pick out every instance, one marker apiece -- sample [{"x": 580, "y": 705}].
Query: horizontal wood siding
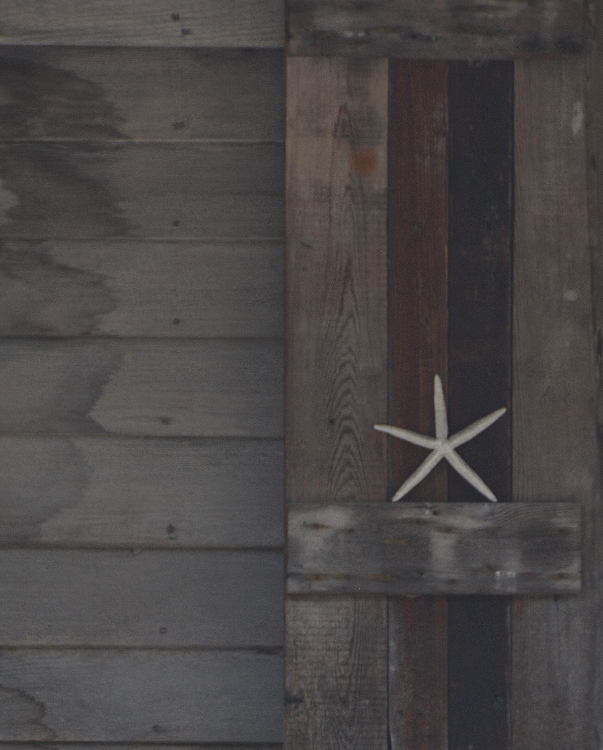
[
  {"x": 139, "y": 695},
  {"x": 141, "y": 470},
  {"x": 147, "y": 23},
  {"x": 211, "y": 388},
  {"x": 153, "y": 190},
  {"x": 435, "y": 28},
  {"x": 134, "y": 288},
  {"x": 161, "y": 598},
  {"x": 139, "y": 493},
  {"x": 169, "y": 94}
]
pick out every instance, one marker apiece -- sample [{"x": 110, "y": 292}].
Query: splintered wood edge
[{"x": 434, "y": 548}]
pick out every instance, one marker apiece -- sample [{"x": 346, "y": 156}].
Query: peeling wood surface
[
  {"x": 168, "y": 94},
  {"x": 139, "y": 493},
  {"x": 211, "y": 388},
  {"x": 97, "y": 695},
  {"x": 417, "y": 322},
  {"x": 128, "y": 288},
  {"x": 152, "y": 598},
  {"x": 153, "y": 190},
  {"x": 436, "y": 28},
  {"x": 440, "y": 548},
  {"x": 554, "y": 438},
  {"x": 148, "y": 23},
  {"x": 336, "y": 385}
]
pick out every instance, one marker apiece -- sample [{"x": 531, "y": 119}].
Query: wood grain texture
[
  {"x": 210, "y": 388},
  {"x": 418, "y": 312},
  {"x": 152, "y": 190},
  {"x": 594, "y": 143},
  {"x": 141, "y": 695},
  {"x": 123, "y": 93},
  {"x": 133, "y": 746},
  {"x": 140, "y": 493},
  {"x": 153, "y": 598},
  {"x": 479, "y": 373},
  {"x": 554, "y": 432},
  {"x": 410, "y": 549},
  {"x": 435, "y": 28},
  {"x": 336, "y": 385},
  {"x": 192, "y": 23},
  {"x": 128, "y": 288}
]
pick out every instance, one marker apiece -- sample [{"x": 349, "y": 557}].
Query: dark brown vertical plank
[
  {"x": 479, "y": 373},
  {"x": 418, "y": 304},
  {"x": 336, "y": 385},
  {"x": 554, "y": 439}
]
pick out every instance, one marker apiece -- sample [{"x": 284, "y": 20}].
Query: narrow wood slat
[
  {"x": 336, "y": 381},
  {"x": 123, "y": 93},
  {"x": 128, "y": 288},
  {"x": 418, "y": 309},
  {"x": 479, "y": 373},
  {"x": 435, "y": 28},
  {"x": 440, "y": 548},
  {"x": 554, "y": 437},
  {"x": 155, "y": 598},
  {"x": 104, "y": 746},
  {"x": 140, "y": 493},
  {"x": 211, "y": 388},
  {"x": 140, "y": 696},
  {"x": 594, "y": 142},
  {"x": 148, "y": 23},
  {"x": 153, "y": 190}
]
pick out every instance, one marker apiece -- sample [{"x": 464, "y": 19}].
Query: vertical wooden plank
[
  {"x": 336, "y": 385},
  {"x": 594, "y": 141},
  {"x": 418, "y": 306},
  {"x": 554, "y": 442},
  {"x": 479, "y": 374}
]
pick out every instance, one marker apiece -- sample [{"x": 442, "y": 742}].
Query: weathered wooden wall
[{"x": 141, "y": 366}]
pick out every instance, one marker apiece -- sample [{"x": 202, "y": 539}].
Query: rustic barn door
[{"x": 443, "y": 218}]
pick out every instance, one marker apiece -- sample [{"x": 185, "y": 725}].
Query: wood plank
[
  {"x": 435, "y": 28},
  {"x": 479, "y": 373},
  {"x": 140, "y": 493},
  {"x": 197, "y": 23},
  {"x": 123, "y": 93},
  {"x": 128, "y": 288},
  {"x": 418, "y": 316},
  {"x": 554, "y": 432},
  {"x": 101, "y": 746},
  {"x": 206, "y": 387},
  {"x": 424, "y": 549},
  {"x": 152, "y": 598},
  {"x": 151, "y": 190},
  {"x": 140, "y": 695},
  {"x": 594, "y": 142},
  {"x": 336, "y": 386}
]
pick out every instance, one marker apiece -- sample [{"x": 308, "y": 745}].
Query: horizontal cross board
[{"x": 434, "y": 548}]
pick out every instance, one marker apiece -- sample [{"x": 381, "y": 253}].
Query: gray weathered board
[
  {"x": 154, "y": 190},
  {"x": 134, "y": 288},
  {"x": 437, "y": 548},
  {"x": 168, "y": 94},
  {"x": 151, "y": 598},
  {"x": 435, "y": 28},
  {"x": 189, "y": 23},
  {"x": 140, "y": 695},
  {"x": 205, "y": 387},
  {"x": 134, "y": 746},
  {"x": 139, "y": 493}
]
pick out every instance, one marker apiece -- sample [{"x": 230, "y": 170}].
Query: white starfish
[{"x": 442, "y": 446}]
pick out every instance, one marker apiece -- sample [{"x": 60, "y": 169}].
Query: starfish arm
[
  {"x": 474, "y": 429},
  {"x": 439, "y": 405},
  {"x": 467, "y": 473},
  {"x": 432, "y": 460},
  {"x": 411, "y": 437}
]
